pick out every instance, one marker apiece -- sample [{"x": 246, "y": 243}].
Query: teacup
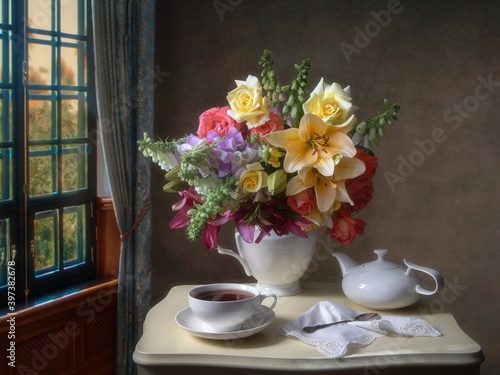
[{"x": 225, "y": 307}]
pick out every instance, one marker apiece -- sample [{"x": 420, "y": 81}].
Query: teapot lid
[{"x": 381, "y": 263}]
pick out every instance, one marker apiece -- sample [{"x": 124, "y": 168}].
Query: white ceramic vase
[{"x": 276, "y": 262}]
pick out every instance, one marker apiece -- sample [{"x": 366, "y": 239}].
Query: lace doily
[{"x": 339, "y": 341}]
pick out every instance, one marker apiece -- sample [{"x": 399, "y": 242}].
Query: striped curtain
[{"x": 124, "y": 63}]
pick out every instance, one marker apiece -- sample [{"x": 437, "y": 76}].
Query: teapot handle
[
  {"x": 224, "y": 251},
  {"x": 438, "y": 279}
]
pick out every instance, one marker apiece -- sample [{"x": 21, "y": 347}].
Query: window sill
[{"x": 61, "y": 299}]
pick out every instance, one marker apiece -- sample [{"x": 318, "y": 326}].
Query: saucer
[{"x": 260, "y": 320}]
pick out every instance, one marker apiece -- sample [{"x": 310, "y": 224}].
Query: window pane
[
  {"x": 5, "y": 56},
  {"x": 74, "y": 114},
  {"x": 42, "y": 170},
  {"x": 82, "y": 63},
  {"x": 40, "y": 64},
  {"x": 73, "y": 235},
  {"x": 74, "y": 167},
  {"x": 70, "y": 22},
  {"x": 45, "y": 243},
  {"x": 69, "y": 64},
  {"x": 6, "y": 115},
  {"x": 40, "y": 14},
  {"x": 73, "y": 62},
  {"x": 41, "y": 119},
  {"x": 4, "y": 250},
  {"x": 6, "y": 174},
  {"x": 5, "y": 17}
]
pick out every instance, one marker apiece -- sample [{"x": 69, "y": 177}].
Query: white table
[{"x": 165, "y": 348}]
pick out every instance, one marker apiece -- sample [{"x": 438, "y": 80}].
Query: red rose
[
  {"x": 216, "y": 119},
  {"x": 345, "y": 228},
  {"x": 274, "y": 123},
  {"x": 360, "y": 189},
  {"x": 370, "y": 161}
]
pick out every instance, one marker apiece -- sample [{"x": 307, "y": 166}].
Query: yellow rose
[
  {"x": 330, "y": 103},
  {"x": 253, "y": 179},
  {"x": 247, "y": 103}
]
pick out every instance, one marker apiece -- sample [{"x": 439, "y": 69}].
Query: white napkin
[{"x": 337, "y": 341}]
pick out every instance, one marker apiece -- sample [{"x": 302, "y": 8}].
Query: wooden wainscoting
[
  {"x": 75, "y": 333},
  {"x": 108, "y": 238}
]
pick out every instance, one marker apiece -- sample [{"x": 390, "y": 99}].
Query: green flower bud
[
  {"x": 276, "y": 182},
  {"x": 361, "y": 127},
  {"x": 175, "y": 186},
  {"x": 254, "y": 138},
  {"x": 266, "y": 154},
  {"x": 372, "y": 135},
  {"x": 173, "y": 174}
]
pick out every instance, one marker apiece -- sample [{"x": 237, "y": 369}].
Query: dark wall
[{"x": 436, "y": 190}]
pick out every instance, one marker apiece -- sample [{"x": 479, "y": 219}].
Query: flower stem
[{"x": 374, "y": 127}]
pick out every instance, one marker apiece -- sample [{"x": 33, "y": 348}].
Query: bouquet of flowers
[{"x": 275, "y": 158}]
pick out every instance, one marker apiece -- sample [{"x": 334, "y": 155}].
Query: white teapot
[{"x": 384, "y": 285}]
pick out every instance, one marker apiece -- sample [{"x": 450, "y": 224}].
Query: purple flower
[
  {"x": 191, "y": 141},
  {"x": 230, "y": 153}
]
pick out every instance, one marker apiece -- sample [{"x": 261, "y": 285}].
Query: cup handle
[
  {"x": 438, "y": 279},
  {"x": 263, "y": 296}
]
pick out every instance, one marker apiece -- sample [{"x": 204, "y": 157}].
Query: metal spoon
[{"x": 360, "y": 318}]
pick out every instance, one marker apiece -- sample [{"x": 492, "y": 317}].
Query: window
[{"x": 47, "y": 146}]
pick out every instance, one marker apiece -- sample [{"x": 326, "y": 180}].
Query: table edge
[{"x": 245, "y": 362}]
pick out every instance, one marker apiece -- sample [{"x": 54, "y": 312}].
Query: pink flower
[
  {"x": 216, "y": 119},
  {"x": 189, "y": 197},
  {"x": 274, "y": 123},
  {"x": 345, "y": 227},
  {"x": 210, "y": 233}
]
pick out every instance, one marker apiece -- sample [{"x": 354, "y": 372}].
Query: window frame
[{"x": 22, "y": 208}]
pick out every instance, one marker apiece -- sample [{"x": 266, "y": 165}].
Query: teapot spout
[{"x": 345, "y": 262}]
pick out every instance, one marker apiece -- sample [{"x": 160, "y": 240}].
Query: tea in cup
[{"x": 225, "y": 307}]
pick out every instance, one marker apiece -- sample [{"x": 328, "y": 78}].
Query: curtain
[{"x": 124, "y": 61}]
